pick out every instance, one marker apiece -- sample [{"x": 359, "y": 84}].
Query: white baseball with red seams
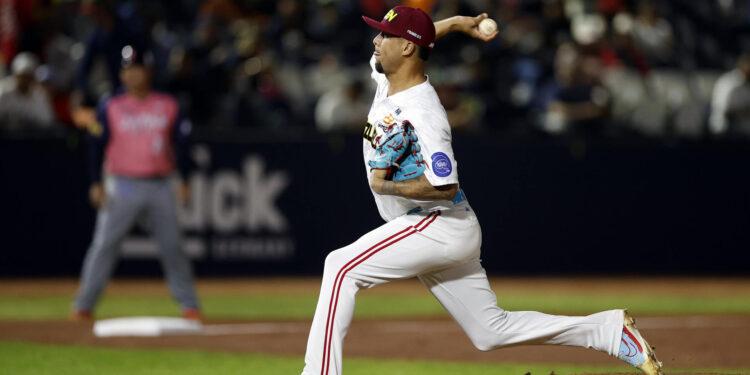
[
  {"x": 487, "y": 26},
  {"x": 440, "y": 245}
]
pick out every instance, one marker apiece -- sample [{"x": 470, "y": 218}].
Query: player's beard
[{"x": 379, "y": 67}]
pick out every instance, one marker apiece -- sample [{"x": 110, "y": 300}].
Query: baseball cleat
[
  {"x": 636, "y": 351},
  {"x": 192, "y": 314},
  {"x": 81, "y": 316}
]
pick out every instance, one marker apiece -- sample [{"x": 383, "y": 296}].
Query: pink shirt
[{"x": 140, "y": 135}]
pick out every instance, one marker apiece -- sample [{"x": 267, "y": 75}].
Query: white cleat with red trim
[{"x": 636, "y": 351}]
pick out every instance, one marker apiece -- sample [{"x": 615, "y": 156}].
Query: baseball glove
[{"x": 398, "y": 152}]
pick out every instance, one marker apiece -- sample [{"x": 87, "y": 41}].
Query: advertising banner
[{"x": 278, "y": 205}]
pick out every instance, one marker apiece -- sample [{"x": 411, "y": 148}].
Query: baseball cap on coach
[
  {"x": 130, "y": 56},
  {"x": 412, "y": 24}
]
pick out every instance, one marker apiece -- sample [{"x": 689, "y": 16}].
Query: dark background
[
  {"x": 646, "y": 184},
  {"x": 546, "y": 205}
]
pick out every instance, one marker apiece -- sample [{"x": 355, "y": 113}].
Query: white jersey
[{"x": 421, "y": 106}]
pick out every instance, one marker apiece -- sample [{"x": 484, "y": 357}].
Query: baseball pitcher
[{"x": 431, "y": 231}]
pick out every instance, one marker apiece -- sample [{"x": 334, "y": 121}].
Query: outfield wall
[{"x": 277, "y": 203}]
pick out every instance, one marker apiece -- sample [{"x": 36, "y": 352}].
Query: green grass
[
  {"x": 42, "y": 359},
  {"x": 38, "y": 359},
  {"x": 286, "y": 306}
]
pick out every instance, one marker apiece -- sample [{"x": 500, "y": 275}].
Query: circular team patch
[{"x": 441, "y": 164}]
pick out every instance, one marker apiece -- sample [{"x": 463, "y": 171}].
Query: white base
[{"x": 146, "y": 326}]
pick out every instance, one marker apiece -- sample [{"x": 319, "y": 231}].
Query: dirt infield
[
  {"x": 681, "y": 342},
  {"x": 710, "y": 341}
]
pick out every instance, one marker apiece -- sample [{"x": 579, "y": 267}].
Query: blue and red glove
[{"x": 398, "y": 153}]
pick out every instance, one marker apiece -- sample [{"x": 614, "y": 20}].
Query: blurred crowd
[{"x": 597, "y": 67}]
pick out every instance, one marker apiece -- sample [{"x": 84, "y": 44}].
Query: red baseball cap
[{"x": 412, "y": 24}]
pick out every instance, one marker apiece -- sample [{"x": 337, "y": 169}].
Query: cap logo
[
  {"x": 390, "y": 16},
  {"x": 414, "y": 34}
]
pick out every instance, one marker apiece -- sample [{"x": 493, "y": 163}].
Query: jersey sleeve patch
[{"x": 441, "y": 164}]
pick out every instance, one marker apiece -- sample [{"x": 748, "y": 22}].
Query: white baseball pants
[{"x": 442, "y": 250}]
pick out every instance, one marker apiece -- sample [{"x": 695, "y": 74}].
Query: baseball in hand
[{"x": 487, "y": 26}]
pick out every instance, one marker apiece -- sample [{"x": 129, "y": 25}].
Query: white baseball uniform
[{"x": 438, "y": 242}]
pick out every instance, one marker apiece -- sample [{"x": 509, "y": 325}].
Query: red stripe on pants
[{"x": 332, "y": 305}]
